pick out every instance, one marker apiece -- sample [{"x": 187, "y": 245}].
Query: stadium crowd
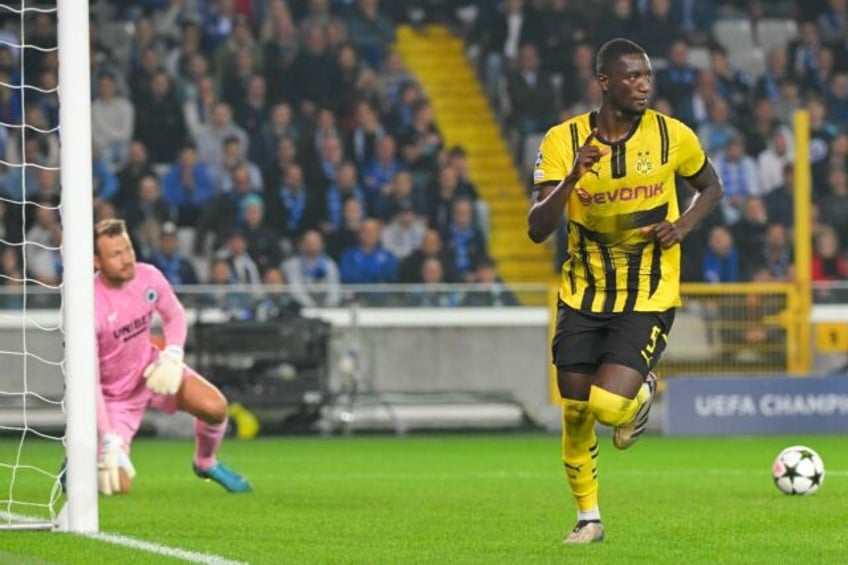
[{"x": 284, "y": 141}]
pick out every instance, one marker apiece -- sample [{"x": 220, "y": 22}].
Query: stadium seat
[
  {"x": 752, "y": 61},
  {"x": 775, "y": 32},
  {"x": 699, "y": 57},
  {"x": 735, "y": 35}
]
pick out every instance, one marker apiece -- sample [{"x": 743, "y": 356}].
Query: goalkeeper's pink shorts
[{"x": 126, "y": 414}]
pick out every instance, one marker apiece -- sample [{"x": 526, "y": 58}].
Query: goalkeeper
[{"x": 135, "y": 375}]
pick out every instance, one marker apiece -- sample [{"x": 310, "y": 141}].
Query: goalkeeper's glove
[
  {"x": 113, "y": 458},
  {"x": 165, "y": 375}
]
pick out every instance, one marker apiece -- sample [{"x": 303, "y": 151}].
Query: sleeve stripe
[{"x": 664, "y": 142}]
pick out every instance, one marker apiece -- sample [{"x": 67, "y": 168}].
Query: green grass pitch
[{"x": 453, "y": 499}]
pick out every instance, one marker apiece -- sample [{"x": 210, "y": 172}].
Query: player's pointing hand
[{"x": 587, "y": 157}]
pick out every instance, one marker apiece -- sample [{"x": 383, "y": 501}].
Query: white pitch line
[
  {"x": 158, "y": 548},
  {"x": 150, "y": 547}
]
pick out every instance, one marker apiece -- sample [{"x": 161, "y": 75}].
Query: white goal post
[{"x": 81, "y": 447}]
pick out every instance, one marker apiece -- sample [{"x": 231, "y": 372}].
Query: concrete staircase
[{"x": 437, "y": 60}]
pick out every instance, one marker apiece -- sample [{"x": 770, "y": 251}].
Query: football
[{"x": 798, "y": 470}]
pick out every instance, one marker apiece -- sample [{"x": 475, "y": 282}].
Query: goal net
[{"x": 46, "y": 399}]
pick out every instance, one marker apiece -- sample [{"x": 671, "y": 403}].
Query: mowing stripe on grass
[{"x": 150, "y": 547}]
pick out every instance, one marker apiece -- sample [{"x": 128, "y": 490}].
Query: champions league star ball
[{"x": 798, "y": 470}]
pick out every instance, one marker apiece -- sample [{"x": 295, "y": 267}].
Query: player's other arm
[
  {"x": 709, "y": 192},
  {"x": 549, "y": 199}
]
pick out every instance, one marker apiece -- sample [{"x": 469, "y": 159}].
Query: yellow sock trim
[
  {"x": 613, "y": 409},
  {"x": 580, "y": 453}
]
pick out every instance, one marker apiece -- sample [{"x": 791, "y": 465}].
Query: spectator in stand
[
  {"x": 199, "y": 108},
  {"x": 431, "y": 246},
  {"x": 311, "y": 266},
  {"x": 222, "y": 216},
  {"x": 379, "y": 173},
  {"x": 777, "y": 253},
  {"x": 676, "y": 82},
  {"x": 251, "y": 112},
  {"x": 368, "y": 262},
  {"x": 749, "y": 234},
  {"x": 837, "y": 100},
  {"x": 777, "y": 71},
  {"x": 347, "y": 236},
  {"x": 367, "y": 134},
  {"x": 211, "y": 137},
  {"x": 500, "y": 38},
  {"x": 738, "y": 174},
  {"x": 263, "y": 241},
  {"x": 829, "y": 264},
  {"x": 218, "y": 24},
  {"x": 495, "y": 292},
  {"x": 112, "y": 121},
  {"x": 280, "y": 126},
  {"x": 443, "y": 196},
  {"x": 296, "y": 207},
  {"x": 464, "y": 241},
  {"x": 136, "y": 168},
  {"x": 832, "y": 22},
  {"x": 721, "y": 260},
  {"x": 822, "y": 134},
  {"x": 234, "y": 158},
  {"x": 789, "y": 99},
  {"x": 656, "y": 29},
  {"x": 717, "y": 131},
  {"x": 104, "y": 181},
  {"x": 187, "y": 187},
  {"x": 834, "y": 206},
  {"x": 391, "y": 80},
  {"x": 761, "y": 126},
  {"x": 176, "y": 268},
  {"x": 316, "y": 74},
  {"x": 804, "y": 50},
  {"x": 839, "y": 152},
  {"x": 531, "y": 94},
  {"x": 43, "y": 257},
  {"x": 817, "y": 81},
  {"x": 431, "y": 293},
  {"x": 774, "y": 158},
  {"x": 421, "y": 142},
  {"x": 145, "y": 219},
  {"x": 345, "y": 186},
  {"x": 401, "y": 193},
  {"x": 159, "y": 120},
  {"x": 243, "y": 269},
  {"x": 371, "y": 33},
  {"x": 562, "y": 27},
  {"x": 620, "y": 22},
  {"x": 733, "y": 85},
  {"x": 404, "y": 233},
  {"x": 780, "y": 202}
]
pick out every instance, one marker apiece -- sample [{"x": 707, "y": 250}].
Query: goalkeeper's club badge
[
  {"x": 643, "y": 163},
  {"x": 151, "y": 295}
]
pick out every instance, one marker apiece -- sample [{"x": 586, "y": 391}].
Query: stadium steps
[{"x": 465, "y": 118}]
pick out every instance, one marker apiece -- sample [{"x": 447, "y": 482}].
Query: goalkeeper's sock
[
  {"x": 580, "y": 453},
  {"x": 207, "y": 440}
]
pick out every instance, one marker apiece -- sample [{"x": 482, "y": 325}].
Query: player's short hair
[
  {"x": 612, "y": 50},
  {"x": 110, "y": 227}
]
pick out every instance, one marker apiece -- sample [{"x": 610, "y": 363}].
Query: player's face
[
  {"x": 628, "y": 86},
  {"x": 115, "y": 259}
]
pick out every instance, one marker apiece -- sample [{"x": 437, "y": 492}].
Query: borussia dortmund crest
[{"x": 643, "y": 162}]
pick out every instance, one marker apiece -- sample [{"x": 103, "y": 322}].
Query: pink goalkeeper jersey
[{"x": 123, "y": 318}]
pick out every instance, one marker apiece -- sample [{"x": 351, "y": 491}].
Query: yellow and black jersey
[{"x": 612, "y": 266}]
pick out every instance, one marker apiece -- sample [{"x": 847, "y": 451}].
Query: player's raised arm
[{"x": 548, "y": 201}]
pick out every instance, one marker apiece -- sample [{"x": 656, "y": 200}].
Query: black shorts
[{"x": 583, "y": 341}]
